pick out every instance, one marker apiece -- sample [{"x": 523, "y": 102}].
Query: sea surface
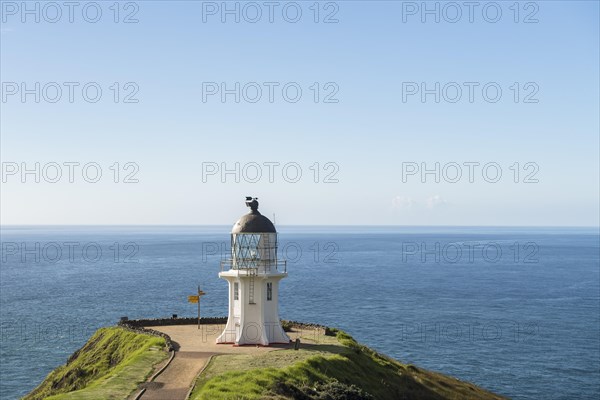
[{"x": 514, "y": 310}]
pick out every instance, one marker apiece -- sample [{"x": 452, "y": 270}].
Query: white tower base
[{"x": 253, "y": 311}]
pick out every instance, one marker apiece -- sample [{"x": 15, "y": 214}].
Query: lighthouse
[{"x": 253, "y": 273}]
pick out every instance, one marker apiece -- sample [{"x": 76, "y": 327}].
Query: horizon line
[{"x": 305, "y": 225}]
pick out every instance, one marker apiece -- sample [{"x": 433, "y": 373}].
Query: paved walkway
[{"x": 193, "y": 349}]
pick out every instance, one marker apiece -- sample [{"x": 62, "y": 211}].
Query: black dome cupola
[{"x": 254, "y": 221}]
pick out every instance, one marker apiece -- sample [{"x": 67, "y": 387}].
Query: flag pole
[{"x": 198, "y": 306}]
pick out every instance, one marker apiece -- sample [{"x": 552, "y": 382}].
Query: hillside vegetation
[
  {"x": 339, "y": 370},
  {"x": 115, "y": 361},
  {"x": 109, "y": 366}
]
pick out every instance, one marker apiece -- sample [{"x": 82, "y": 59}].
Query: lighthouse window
[
  {"x": 236, "y": 291},
  {"x": 269, "y": 291},
  {"x": 247, "y": 250}
]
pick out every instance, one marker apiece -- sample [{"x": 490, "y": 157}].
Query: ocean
[{"x": 514, "y": 310}]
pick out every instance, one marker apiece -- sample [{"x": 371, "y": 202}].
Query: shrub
[{"x": 331, "y": 390}]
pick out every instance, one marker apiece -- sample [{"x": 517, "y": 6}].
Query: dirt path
[{"x": 194, "y": 347}]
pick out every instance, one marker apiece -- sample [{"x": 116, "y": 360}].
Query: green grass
[
  {"x": 348, "y": 362},
  {"x": 115, "y": 360},
  {"x": 109, "y": 366}
]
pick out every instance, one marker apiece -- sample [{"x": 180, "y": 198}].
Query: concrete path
[{"x": 193, "y": 348}]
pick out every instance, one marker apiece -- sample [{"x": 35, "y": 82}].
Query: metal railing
[{"x": 265, "y": 266}]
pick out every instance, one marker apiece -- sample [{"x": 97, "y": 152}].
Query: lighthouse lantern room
[{"x": 253, "y": 273}]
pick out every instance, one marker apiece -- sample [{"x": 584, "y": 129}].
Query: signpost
[{"x": 196, "y": 299}]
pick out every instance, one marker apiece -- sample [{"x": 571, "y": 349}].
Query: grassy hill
[
  {"x": 110, "y": 366},
  {"x": 340, "y": 369},
  {"x": 115, "y": 361}
]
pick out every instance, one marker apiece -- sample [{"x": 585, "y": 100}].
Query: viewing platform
[{"x": 261, "y": 266}]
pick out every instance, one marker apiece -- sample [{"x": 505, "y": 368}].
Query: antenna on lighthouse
[{"x": 274, "y": 219}]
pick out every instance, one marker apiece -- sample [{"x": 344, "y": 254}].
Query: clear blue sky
[{"x": 369, "y": 133}]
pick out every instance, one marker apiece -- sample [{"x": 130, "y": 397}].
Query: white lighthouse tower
[{"x": 253, "y": 274}]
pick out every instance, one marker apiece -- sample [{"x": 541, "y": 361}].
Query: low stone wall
[
  {"x": 145, "y": 331},
  {"x": 140, "y": 325},
  {"x": 174, "y": 321},
  {"x": 321, "y": 329}
]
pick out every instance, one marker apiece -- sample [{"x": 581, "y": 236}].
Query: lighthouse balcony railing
[{"x": 266, "y": 266}]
